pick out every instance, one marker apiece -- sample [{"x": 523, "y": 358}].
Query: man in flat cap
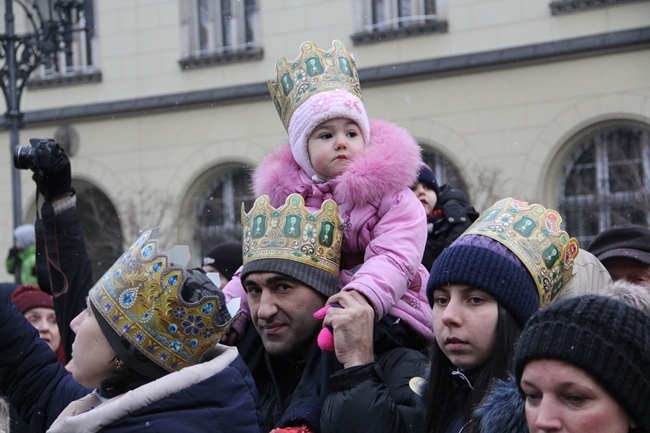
[{"x": 625, "y": 251}]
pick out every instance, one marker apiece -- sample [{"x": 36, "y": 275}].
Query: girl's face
[
  {"x": 93, "y": 356},
  {"x": 563, "y": 398},
  {"x": 332, "y": 146},
  {"x": 464, "y": 324},
  {"x": 44, "y": 319}
]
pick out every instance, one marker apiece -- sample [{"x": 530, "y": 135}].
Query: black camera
[{"x": 42, "y": 154}]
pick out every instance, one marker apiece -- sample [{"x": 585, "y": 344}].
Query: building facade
[{"x": 164, "y": 107}]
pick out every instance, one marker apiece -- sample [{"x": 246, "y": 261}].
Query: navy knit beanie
[
  {"x": 484, "y": 263},
  {"x": 604, "y": 337},
  {"x": 426, "y": 176}
]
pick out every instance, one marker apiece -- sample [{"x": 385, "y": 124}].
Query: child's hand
[{"x": 326, "y": 336}]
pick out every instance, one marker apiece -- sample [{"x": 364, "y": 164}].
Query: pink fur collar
[{"x": 388, "y": 164}]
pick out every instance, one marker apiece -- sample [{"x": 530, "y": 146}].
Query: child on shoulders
[{"x": 367, "y": 167}]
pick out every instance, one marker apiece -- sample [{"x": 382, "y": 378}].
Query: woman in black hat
[{"x": 584, "y": 366}]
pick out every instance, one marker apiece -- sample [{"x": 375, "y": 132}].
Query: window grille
[
  {"x": 76, "y": 57},
  {"x": 223, "y": 26},
  {"x": 219, "y": 212},
  {"x": 607, "y": 181},
  {"x": 394, "y": 14}
]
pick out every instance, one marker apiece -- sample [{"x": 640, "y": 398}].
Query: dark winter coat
[
  {"x": 63, "y": 266},
  {"x": 215, "y": 396},
  {"x": 462, "y": 381},
  {"x": 382, "y": 396},
  {"x": 451, "y": 217}
]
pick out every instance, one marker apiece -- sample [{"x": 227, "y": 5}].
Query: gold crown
[
  {"x": 291, "y": 232},
  {"x": 313, "y": 71},
  {"x": 140, "y": 298},
  {"x": 533, "y": 233}
]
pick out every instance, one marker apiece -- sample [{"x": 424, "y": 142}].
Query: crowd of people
[{"x": 362, "y": 296}]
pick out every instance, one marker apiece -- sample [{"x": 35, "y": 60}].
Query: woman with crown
[
  {"x": 367, "y": 167},
  {"x": 482, "y": 289},
  {"x": 145, "y": 358}
]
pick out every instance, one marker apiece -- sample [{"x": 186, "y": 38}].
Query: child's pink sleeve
[{"x": 234, "y": 289}]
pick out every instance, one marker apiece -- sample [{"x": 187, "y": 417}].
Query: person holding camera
[
  {"x": 63, "y": 266},
  {"x": 146, "y": 355}
]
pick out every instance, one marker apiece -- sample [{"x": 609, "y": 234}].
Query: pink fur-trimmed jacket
[{"x": 385, "y": 227}]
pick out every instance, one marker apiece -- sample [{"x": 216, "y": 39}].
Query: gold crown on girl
[
  {"x": 313, "y": 71},
  {"x": 291, "y": 232},
  {"x": 533, "y": 233},
  {"x": 140, "y": 297}
]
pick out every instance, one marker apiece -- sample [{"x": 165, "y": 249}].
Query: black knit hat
[
  {"x": 484, "y": 263},
  {"x": 426, "y": 176},
  {"x": 628, "y": 241},
  {"x": 606, "y": 338},
  {"x": 226, "y": 258}
]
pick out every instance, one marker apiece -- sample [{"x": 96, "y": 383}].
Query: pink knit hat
[{"x": 317, "y": 109}]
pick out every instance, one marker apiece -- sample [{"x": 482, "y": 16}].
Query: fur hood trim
[
  {"x": 502, "y": 409},
  {"x": 388, "y": 164}
]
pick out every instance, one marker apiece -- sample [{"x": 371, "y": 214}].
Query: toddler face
[
  {"x": 426, "y": 195},
  {"x": 333, "y": 144}
]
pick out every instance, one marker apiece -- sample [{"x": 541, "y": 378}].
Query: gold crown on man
[
  {"x": 294, "y": 241},
  {"x": 533, "y": 233},
  {"x": 140, "y": 298},
  {"x": 313, "y": 71}
]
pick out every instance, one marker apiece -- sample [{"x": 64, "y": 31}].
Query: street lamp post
[{"x": 51, "y": 21}]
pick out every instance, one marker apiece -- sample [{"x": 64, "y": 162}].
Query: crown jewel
[
  {"x": 533, "y": 233},
  {"x": 141, "y": 298},
  {"x": 313, "y": 71},
  {"x": 291, "y": 232}
]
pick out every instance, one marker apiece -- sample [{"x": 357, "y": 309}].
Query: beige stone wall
[{"x": 517, "y": 120}]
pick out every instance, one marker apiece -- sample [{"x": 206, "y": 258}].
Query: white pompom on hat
[{"x": 319, "y": 108}]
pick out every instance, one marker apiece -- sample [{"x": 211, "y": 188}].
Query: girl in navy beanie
[{"x": 483, "y": 289}]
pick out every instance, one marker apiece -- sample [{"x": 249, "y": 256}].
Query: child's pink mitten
[{"x": 326, "y": 336}]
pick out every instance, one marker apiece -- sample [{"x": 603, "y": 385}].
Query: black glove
[
  {"x": 55, "y": 180},
  {"x": 13, "y": 253}
]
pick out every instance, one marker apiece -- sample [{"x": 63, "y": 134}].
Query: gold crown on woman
[
  {"x": 533, "y": 233},
  {"x": 141, "y": 298},
  {"x": 313, "y": 71},
  {"x": 291, "y": 232}
]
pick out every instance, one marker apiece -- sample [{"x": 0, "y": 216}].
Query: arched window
[
  {"x": 444, "y": 169},
  {"x": 607, "y": 181},
  {"x": 219, "y": 212},
  {"x": 101, "y": 226}
]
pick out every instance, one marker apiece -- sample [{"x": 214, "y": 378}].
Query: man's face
[
  {"x": 282, "y": 310},
  {"x": 629, "y": 270}
]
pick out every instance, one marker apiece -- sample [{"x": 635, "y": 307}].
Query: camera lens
[{"x": 23, "y": 157}]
